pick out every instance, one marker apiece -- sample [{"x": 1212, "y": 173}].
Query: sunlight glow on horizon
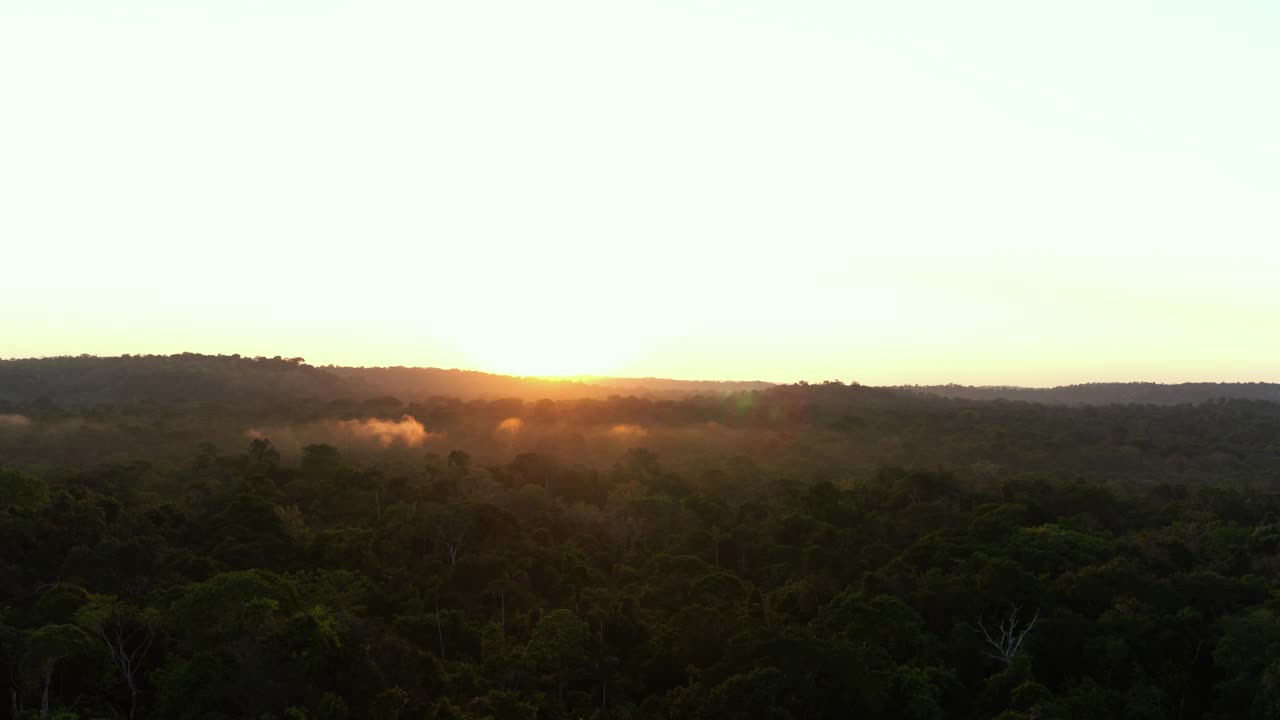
[{"x": 906, "y": 193}]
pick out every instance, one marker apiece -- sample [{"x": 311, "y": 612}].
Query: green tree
[
  {"x": 389, "y": 704},
  {"x": 128, "y": 633},
  {"x": 22, "y": 490},
  {"x": 48, "y": 646},
  {"x": 560, "y": 648}
]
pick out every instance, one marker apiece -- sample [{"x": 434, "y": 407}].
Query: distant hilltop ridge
[
  {"x": 192, "y": 377},
  {"x": 1140, "y": 393},
  {"x": 417, "y": 381}
]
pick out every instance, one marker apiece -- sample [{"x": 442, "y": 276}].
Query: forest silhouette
[{"x": 198, "y": 536}]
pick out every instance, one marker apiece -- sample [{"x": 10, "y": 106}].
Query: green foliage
[
  {"x": 331, "y": 707},
  {"x": 560, "y": 642},
  {"x": 52, "y": 643},
  {"x": 21, "y": 490},
  {"x": 809, "y": 551},
  {"x": 389, "y": 704},
  {"x": 60, "y": 603}
]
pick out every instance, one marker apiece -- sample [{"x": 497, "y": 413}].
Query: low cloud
[
  {"x": 628, "y": 430},
  {"x": 14, "y": 422},
  {"x": 406, "y": 431}
]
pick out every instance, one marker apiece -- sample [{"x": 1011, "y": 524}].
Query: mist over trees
[{"x": 222, "y": 537}]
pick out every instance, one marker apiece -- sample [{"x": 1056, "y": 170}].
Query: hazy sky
[{"x": 979, "y": 192}]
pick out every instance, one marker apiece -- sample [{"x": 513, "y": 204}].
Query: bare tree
[
  {"x": 128, "y": 634},
  {"x": 439, "y": 627},
  {"x": 1005, "y": 638},
  {"x": 452, "y": 526},
  {"x": 452, "y": 536},
  {"x": 718, "y": 536}
]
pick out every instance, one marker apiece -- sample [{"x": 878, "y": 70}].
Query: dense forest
[
  {"x": 87, "y": 379},
  {"x": 1110, "y": 393},
  {"x": 223, "y": 537},
  {"x": 192, "y": 377}
]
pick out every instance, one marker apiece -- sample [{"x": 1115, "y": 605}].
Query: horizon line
[{"x": 589, "y": 377}]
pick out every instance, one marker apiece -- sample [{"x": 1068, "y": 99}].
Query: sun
[{"x": 559, "y": 354}]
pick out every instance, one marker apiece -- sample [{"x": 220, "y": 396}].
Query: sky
[{"x": 1020, "y": 193}]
